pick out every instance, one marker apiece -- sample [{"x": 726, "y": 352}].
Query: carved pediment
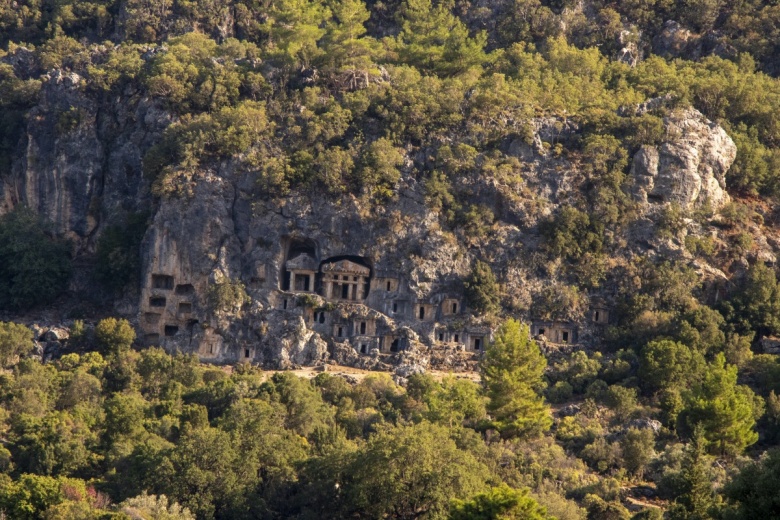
[{"x": 346, "y": 267}]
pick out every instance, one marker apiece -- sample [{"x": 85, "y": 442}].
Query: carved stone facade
[
  {"x": 558, "y": 332},
  {"x": 345, "y": 280},
  {"x": 339, "y": 306},
  {"x": 167, "y": 308},
  {"x": 303, "y": 271}
]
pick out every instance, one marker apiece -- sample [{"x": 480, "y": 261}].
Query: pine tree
[
  {"x": 482, "y": 289},
  {"x": 500, "y": 502},
  {"x": 512, "y": 371},
  {"x": 293, "y": 28},
  {"x": 696, "y": 499},
  {"x": 756, "y": 305},
  {"x": 348, "y": 51},
  {"x": 434, "y": 40},
  {"x": 726, "y": 411}
]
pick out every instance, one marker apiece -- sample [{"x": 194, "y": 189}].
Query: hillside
[{"x": 386, "y": 186}]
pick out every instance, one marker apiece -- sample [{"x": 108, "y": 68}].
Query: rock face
[
  {"x": 324, "y": 282},
  {"x": 674, "y": 40},
  {"x": 344, "y": 280},
  {"x": 289, "y": 342},
  {"x": 690, "y": 168},
  {"x": 79, "y": 164}
]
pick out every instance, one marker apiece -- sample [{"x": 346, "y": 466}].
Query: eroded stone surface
[{"x": 689, "y": 168}]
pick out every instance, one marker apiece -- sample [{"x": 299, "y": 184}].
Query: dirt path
[{"x": 357, "y": 373}]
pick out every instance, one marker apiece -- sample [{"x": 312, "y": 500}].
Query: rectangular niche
[
  {"x": 450, "y": 307},
  {"x": 152, "y": 339},
  {"x": 157, "y": 301},
  {"x": 171, "y": 330},
  {"x": 162, "y": 281},
  {"x": 185, "y": 308},
  {"x": 152, "y": 318},
  {"x": 185, "y": 289}
]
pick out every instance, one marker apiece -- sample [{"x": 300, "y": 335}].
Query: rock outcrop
[
  {"x": 689, "y": 168},
  {"x": 674, "y": 41}
]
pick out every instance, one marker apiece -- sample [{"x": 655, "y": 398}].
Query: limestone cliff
[{"x": 402, "y": 299}]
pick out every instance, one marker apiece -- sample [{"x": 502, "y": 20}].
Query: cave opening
[{"x": 294, "y": 248}]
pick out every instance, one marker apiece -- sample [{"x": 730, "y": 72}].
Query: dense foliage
[
  {"x": 127, "y": 433},
  {"x": 361, "y": 100},
  {"x": 328, "y": 96},
  {"x": 34, "y": 265},
  {"x": 106, "y": 435}
]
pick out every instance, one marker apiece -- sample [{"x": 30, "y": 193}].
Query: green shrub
[
  {"x": 560, "y": 392},
  {"x": 114, "y": 335},
  {"x": 15, "y": 340},
  {"x": 227, "y": 296},
  {"x": 482, "y": 291},
  {"x": 35, "y": 267}
]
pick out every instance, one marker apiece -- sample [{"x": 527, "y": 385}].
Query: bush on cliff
[{"x": 34, "y": 265}]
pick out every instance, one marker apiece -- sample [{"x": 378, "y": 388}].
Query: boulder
[
  {"x": 630, "y": 53},
  {"x": 770, "y": 344},
  {"x": 646, "y": 424},
  {"x": 56, "y": 334},
  {"x": 52, "y": 350}
]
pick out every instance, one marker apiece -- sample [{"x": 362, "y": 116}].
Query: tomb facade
[
  {"x": 558, "y": 332},
  {"x": 450, "y": 307},
  {"x": 302, "y": 271},
  {"x": 344, "y": 280},
  {"x": 600, "y": 314}
]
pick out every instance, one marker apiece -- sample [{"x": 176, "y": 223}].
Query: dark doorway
[
  {"x": 302, "y": 282},
  {"x": 185, "y": 289},
  {"x": 157, "y": 301},
  {"x": 162, "y": 281}
]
